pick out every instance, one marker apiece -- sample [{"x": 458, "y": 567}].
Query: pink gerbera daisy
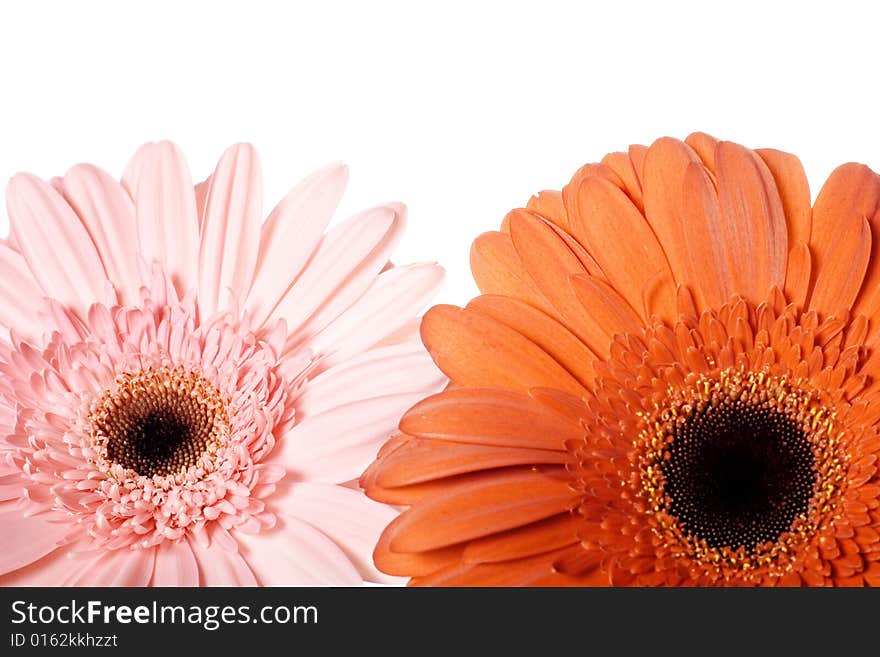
[{"x": 186, "y": 393}]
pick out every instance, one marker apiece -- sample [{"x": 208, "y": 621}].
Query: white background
[{"x": 462, "y": 110}]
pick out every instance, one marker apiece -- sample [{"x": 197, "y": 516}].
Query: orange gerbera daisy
[{"x": 672, "y": 378}]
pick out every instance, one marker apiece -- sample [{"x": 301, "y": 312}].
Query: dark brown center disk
[
  {"x": 160, "y": 422},
  {"x": 739, "y": 475}
]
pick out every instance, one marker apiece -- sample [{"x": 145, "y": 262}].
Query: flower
[
  {"x": 187, "y": 395},
  {"x": 671, "y": 379}
]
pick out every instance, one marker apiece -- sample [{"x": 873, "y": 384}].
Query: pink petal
[
  {"x": 24, "y": 540},
  {"x": 19, "y": 294},
  {"x": 291, "y": 234},
  {"x": 293, "y": 553},
  {"x": 345, "y": 264},
  {"x": 11, "y": 489},
  {"x": 54, "y": 243},
  {"x": 201, "y": 199},
  {"x": 107, "y": 212},
  {"x": 395, "y": 297},
  {"x": 51, "y": 570},
  {"x": 64, "y": 320},
  {"x": 336, "y": 445},
  {"x": 219, "y": 567},
  {"x": 347, "y": 516},
  {"x": 11, "y": 483},
  {"x": 159, "y": 181},
  {"x": 374, "y": 373},
  {"x": 115, "y": 568},
  {"x": 409, "y": 332},
  {"x": 230, "y": 231},
  {"x": 175, "y": 565}
]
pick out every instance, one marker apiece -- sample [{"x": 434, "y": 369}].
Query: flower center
[
  {"x": 738, "y": 474},
  {"x": 739, "y": 468},
  {"x": 159, "y": 422}
]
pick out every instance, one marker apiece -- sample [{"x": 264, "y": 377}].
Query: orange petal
[
  {"x": 423, "y": 460},
  {"x": 412, "y": 494},
  {"x": 490, "y": 417},
  {"x": 622, "y": 165},
  {"x": 794, "y": 190},
  {"x": 568, "y": 406},
  {"x": 578, "y": 561},
  {"x": 529, "y": 571},
  {"x": 753, "y": 221},
  {"x": 493, "y": 502},
  {"x": 666, "y": 162},
  {"x": 543, "y": 330},
  {"x": 704, "y": 145},
  {"x": 476, "y": 350},
  {"x": 392, "y": 444},
  {"x": 843, "y": 268},
  {"x": 411, "y": 564},
  {"x": 550, "y": 263},
  {"x": 608, "y": 310},
  {"x": 589, "y": 263},
  {"x": 797, "y": 275},
  {"x": 586, "y": 260},
  {"x": 619, "y": 238},
  {"x": 497, "y": 269},
  {"x": 592, "y": 170},
  {"x": 711, "y": 282},
  {"x": 637, "y": 154},
  {"x": 856, "y": 191},
  {"x": 549, "y": 205},
  {"x": 537, "y": 538},
  {"x": 851, "y": 194}
]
